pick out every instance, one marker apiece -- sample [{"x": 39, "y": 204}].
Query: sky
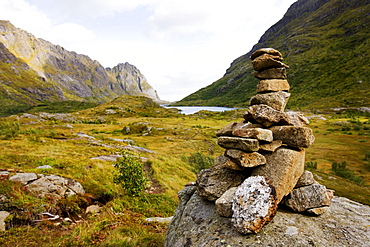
[{"x": 180, "y": 46}]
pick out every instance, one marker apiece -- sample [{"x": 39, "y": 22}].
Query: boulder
[
  {"x": 266, "y": 61},
  {"x": 197, "y": 223},
  {"x": 298, "y": 137},
  {"x": 254, "y": 205},
  {"x": 270, "y": 51},
  {"x": 228, "y": 129},
  {"x": 308, "y": 197},
  {"x": 253, "y": 133},
  {"x": 271, "y": 73},
  {"x": 294, "y": 119},
  {"x": 212, "y": 183},
  {"x": 245, "y": 144},
  {"x": 23, "y": 178},
  {"x": 55, "y": 187},
  {"x": 305, "y": 180},
  {"x": 272, "y": 85},
  {"x": 3, "y": 216},
  {"x": 276, "y": 100},
  {"x": 244, "y": 159},
  {"x": 224, "y": 203},
  {"x": 283, "y": 167},
  {"x": 270, "y": 147}
]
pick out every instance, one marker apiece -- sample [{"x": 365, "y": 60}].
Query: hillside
[
  {"x": 34, "y": 71},
  {"x": 325, "y": 43}
]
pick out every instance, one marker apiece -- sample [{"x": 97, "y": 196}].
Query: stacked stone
[{"x": 263, "y": 164}]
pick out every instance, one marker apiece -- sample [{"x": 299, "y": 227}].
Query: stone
[
  {"x": 253, "y": 133},
  {"x": 224, "y": 203},
  {"x": 55, "y": 187},
  {"x": 276, "y": 100},
  {"x": 271, "y": 147},
  {"x": 283, "y": 167},
  {"x": 254, "y": 205},
  {"x": 212, "y": 183},
  {"x": 305, "y": 180},
  {"x": 244, "y": 159},
  {"x": 272, "y": 85},
  {"x": 245, "y": 144},
  {"x": 298, "y": 137},
  {"x": 263, "y": 114},
  {"x": 318, "y": 211},
  {"x": 294, "y": 119},
  {"x": 308, "y": 197},
  {"x": 162, "y": 220},
  {"x": 226, "y": 162},
  {"x": 3, "y": 216},
  {"x": 44, "y": 167},
  {"x": 23, "y": 178},
  {"x": 271, "y": 73},
  {"x": 228, "y": 129},
  {"x": 93, "y": 209},
  {"x": 266, "y": 61},
  {"x": 197, "y": 223},
  {"x": 262, "y": 51}
]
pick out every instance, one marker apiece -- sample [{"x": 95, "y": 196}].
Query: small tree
[{"x": 131, "y": 174}]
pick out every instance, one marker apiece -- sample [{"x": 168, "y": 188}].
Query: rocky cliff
[
  {"x": 34, "y": 70},
  {"x": 326, "y": 44}
]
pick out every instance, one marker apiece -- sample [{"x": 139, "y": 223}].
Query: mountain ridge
[
  {"x": 34, "y": 70},
  {"x": 325, "y": 42}
]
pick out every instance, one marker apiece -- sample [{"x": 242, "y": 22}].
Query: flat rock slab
[
  {"x": 245, "y": 144},
  {"x": 244, "y": 159},
  {"x": 272, "y": 73},
  {"x": 253, "y": 133},
  {"x": 24, "y": 178},
  {"x": 276, "y": 100},
  {"x": 254, "y": 205},
  {"x": 197, "y": 223},
  {"x": 273, "y": 85},
  {"x": 298, "y": 137},
  {"x": 284, "y": 167},
  {"x": 308, "y": 197}
]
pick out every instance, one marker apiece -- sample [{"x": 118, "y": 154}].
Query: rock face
[
  {"x": 57, "y": 74},
  {"x": 264, "y": 159},
  {"x": 197, "y": 223}
]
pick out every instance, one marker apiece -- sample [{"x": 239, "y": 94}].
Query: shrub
[
  {"x": 341, "y": 170},
  {"x": 131, "y": 174},
  {"x": 367, "y": 159},
  {"x": 311, "y": 165},
  {"x": 9, "y": 130},
  {"x": 200, "y": 161}
]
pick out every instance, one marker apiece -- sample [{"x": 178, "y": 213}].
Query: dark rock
[
  {"x": 305, "y": 180},
  {"x": 223, "y": 161}
]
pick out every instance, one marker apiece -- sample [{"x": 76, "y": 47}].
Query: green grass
[{"x": 182, "y": 144}]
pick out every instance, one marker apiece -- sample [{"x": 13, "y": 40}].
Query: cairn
[{"x": 263, "y": 164}]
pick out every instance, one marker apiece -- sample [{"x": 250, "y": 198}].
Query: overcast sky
[{"x": 179, "y": 45}]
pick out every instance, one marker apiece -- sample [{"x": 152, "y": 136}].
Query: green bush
[
  {"x": 311, "y": 165},
  {"x": 199, "y": 161},
  {"x": 341, "y": 170},
  {"x": 367, "y": 159},
  {"x": 9, "y": 130},
  {"x": 130, "y": 174}
]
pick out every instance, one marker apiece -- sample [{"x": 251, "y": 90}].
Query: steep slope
[
  {"x": 326, "y": 44},
  {"x": 51, "y": 73}
]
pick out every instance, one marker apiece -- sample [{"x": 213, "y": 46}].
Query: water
[{"x": 193, "y": 109}]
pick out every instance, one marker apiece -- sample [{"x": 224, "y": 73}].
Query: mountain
[
  {"x": 34, "y": 70},
  {"x": 326, "y": 45}
]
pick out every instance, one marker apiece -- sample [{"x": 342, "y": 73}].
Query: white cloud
[{"x": 180, "y": 46}]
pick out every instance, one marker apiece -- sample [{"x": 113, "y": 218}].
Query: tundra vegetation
[{"x": 173, "y": 148}]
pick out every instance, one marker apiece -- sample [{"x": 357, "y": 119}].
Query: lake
[{"x": 193, "y": 109}]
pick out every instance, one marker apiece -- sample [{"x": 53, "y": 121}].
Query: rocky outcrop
[
  {"x": 58, "y": 74},
  {"x": 263, "y": 164},
  {"x": 197, "y": 223}
]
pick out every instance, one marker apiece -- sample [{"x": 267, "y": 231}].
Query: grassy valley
[{"x": 180, "y": 145}]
